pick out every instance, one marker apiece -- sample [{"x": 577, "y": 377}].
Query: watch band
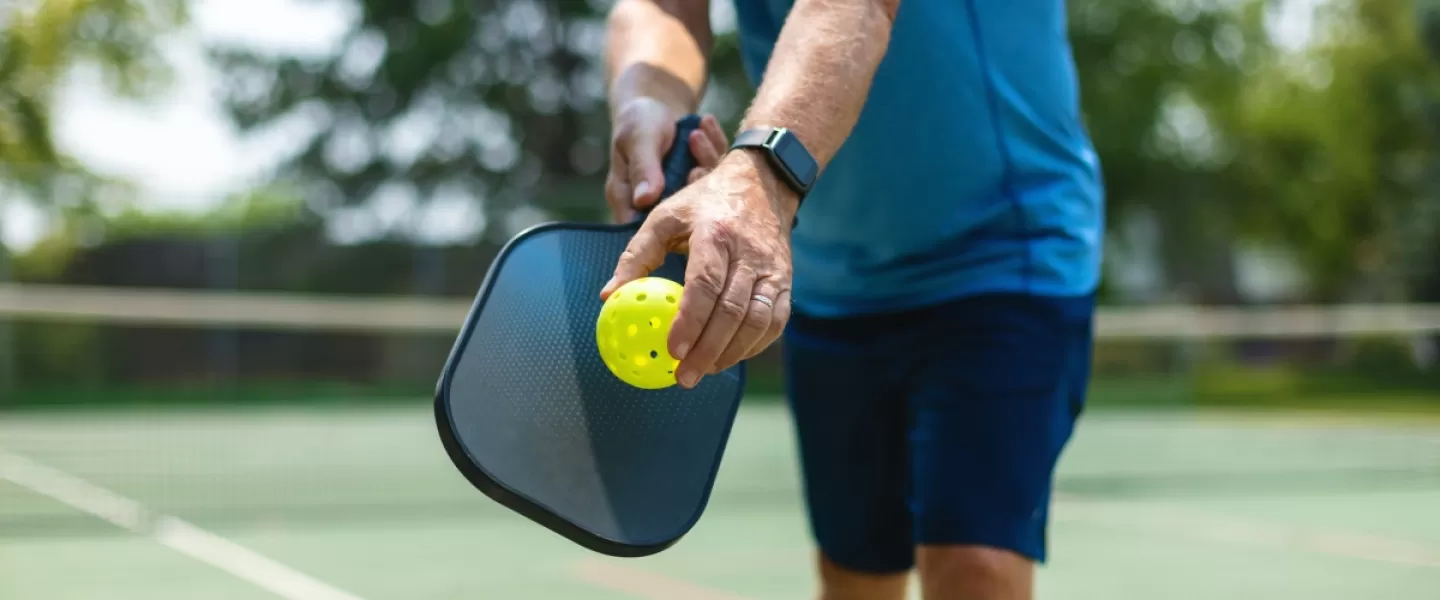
[
  {"x": 792, "y": 161},
  {"x": 753, "y": 138}
]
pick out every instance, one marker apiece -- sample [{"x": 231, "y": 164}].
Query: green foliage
[
  {"x": 1202, "y": 122},
  {"x": 502, "y": 101},
  {"x": 1206, "y": 125},
  {"x": 43, "y": 40},
  {"x": 268, "y": 208},
  {"x": 260, "y": 209},
  {"x": 1336, "y": 148},
  {"x": 1153, "y": 76}
]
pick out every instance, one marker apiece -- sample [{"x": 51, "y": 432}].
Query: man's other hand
[{"x": 644, "y": 131}]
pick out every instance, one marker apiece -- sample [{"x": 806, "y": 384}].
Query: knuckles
[
  {"x": 730, "y": 308},
  {"x": 708, "y": 282},
  {"x": 721, "y": 232}
]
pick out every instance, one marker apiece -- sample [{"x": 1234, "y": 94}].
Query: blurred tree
[
  {"x": 497, "y": 102},
  {"x": 1426, "y": 253},
  {"x": 1153, "y": 76},
  {"x": 1227, "y": 140},
  {"x": 40, "y": 42},
  {"x": 1337, "y": 149},
  {"x": 1205, "y": 125}
]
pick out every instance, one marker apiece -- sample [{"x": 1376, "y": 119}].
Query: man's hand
[
  {"x": 735, "y": 224},
  {"x": 644, "y": 131}
]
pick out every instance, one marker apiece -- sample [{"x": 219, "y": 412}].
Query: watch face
[{"x": 793, "y": 155}]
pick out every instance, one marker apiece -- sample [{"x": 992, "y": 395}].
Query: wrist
[
  {"x": 753, "y": 165},
  {"x": 645, "y": 85},
  {"x": 640, "y": 105}
]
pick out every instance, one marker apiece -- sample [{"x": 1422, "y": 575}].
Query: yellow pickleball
[{"x": 634, "y": 328}]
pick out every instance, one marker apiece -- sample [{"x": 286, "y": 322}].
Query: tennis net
[
  {"x": 286, "y": 408},
  {"x": 21, "y": 302},
  {"x": 109, "y": 340}
]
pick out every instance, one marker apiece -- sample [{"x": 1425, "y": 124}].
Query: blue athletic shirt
[{"x": 969, "y": 170}]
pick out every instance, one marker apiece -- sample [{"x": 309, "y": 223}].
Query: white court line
[
  {"x": 1210, "y": 527},
  {"x": 169, "y": 531},
  {"x": 613, "y": 576}
]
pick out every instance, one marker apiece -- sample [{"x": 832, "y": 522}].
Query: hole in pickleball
[
  {"x": 654, "y": 354},
  {"x": 641, "y": 361},
  {"x": 654, "y": 322},
  {"x": 623, "y": 356},
  {"x": 641, "y": 297},
  {"x": 632, "y": 330},
  {"x": 669, "y": 298}
]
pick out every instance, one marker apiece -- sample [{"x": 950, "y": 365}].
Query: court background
[{"x": 237, "y": 245}]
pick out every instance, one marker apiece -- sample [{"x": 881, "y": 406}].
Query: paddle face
[{"x": 531, "y": 415}]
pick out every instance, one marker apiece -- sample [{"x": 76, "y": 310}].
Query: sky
[
  {"x": 180, "y": 148},
  {"x": 183, "y": 152}
]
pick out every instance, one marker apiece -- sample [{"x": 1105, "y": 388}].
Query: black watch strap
[{"x": 752, "y": 138}]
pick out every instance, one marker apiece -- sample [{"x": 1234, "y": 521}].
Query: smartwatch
[{"x": 785, "y": 154}]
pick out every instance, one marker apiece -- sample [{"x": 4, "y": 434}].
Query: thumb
[{"x": 645, "y": 172}]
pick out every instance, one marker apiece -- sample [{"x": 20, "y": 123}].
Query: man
[{"x": 944, "y": 262}]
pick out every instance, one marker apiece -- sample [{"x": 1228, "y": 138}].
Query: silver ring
[{"x": 763, "y": 300}]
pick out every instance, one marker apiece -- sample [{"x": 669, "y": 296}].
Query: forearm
[
  {"x": 658, "y": 49},
  {"x": 820, "y": 71}
]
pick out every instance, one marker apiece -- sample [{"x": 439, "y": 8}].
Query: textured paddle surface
[{"x": 533, "y": 405}]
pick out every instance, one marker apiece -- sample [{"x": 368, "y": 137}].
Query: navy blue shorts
[{"x": 936, "y": 426}]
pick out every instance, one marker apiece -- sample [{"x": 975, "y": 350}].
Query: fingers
[
  {"x": 706, "y": 275},
  {"x": 708, "y": 146},
  {"x": 641, "y": 141},
  {"x": 644, "y": 171},
  {"x": 753, "y": 327},
  {"x": 618, "y": 196},
  {"x": 619, "y": 193},
  {"x": 731, "y": 308},
  {"x": 643, "y": 132},
  {"x": 706, "y": 157},
  {"x": 645, "y": 252},
  {"x": 704, "y": 150},
  {"x": 779, "y": 316},
  {"x": 714, "y": 134}
]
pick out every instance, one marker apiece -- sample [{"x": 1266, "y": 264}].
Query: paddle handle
[{"x": 679, "y": 161}]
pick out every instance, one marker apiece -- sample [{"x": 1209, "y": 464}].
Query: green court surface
[{"x": 333, "y": 503}]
